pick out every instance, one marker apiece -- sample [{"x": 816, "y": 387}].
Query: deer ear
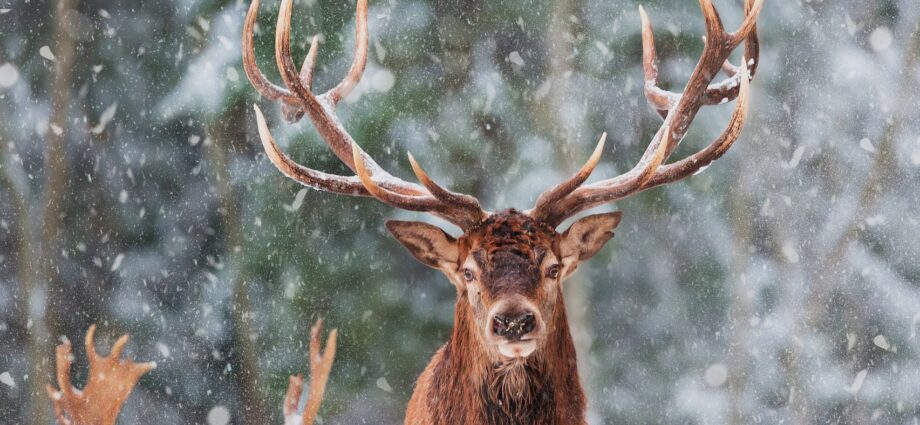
[
  {"x": 588, "y": 235},
  {"x": 429, "y": 244}
]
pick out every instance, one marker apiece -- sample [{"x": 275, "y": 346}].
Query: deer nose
[{"x": 513, "y": 328}]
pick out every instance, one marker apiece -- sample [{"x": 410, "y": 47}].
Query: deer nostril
[
  {"x": 514, "y": 328},
  {"x": 528, "y": 322},
  {"x": 500, "y": 325}
]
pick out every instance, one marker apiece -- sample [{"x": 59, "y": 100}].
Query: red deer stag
[
  {"x": 111, "y": 379},
  {"x": 510, "y": 357}
]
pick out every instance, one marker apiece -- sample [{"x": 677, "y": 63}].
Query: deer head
[
  {"x": 508, "y": 266},
  {"x": 508, "y": 271}
]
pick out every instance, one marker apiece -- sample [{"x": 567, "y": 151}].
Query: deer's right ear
[{"x": 429, "y": 244}]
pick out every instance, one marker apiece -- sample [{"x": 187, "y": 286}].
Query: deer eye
[
  {"x": 468, "y": 275},
  {"x": 553, "y": 271}
]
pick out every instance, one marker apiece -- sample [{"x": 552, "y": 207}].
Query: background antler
[
  {"x": 678, "y": 110},
  {"x": 320, "y": 366},
  {"x": 297, "y": 99},
  {"x": 111, "y": 380}
]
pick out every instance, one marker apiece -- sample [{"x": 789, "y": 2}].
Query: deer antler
[
  {"x": 297, "y": 99},
  {"x": 320, "y": 366},
  {"x": 110, "y": 381},
  {"x": 678, "y": 111}
]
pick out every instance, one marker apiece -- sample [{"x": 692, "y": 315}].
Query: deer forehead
[
  {"x": 509, "y": 249},
  {"x": 510, "y": 232}
]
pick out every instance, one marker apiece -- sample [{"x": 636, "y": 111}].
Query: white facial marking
[{"x": 517, "y": 348}]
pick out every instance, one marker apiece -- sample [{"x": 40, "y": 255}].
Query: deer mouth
[{"x": 517, "y": 349}]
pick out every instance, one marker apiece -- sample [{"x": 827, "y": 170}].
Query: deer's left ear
[
  {"x": 429, "y": 244},
  {"x": 588, "y": 235}
]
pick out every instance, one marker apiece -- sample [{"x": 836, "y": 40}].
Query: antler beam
[
  {"x": 678, "y": 111},
  {"x": 298, "y": 99}
]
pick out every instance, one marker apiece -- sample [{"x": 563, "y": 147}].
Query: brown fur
[{"x": 464, "y": 383}]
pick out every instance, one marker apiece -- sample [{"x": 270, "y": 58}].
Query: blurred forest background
[{"x": 781, "y": 285}]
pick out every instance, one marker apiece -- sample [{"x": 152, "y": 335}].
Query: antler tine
[
  {"x": 292, "y": 398},
  {"x": 284, "y": 60},
  {"x": 306, "y": 71},
  {"x": 89, "y": 344},
  {"x": 662, "y": 101},
  {"x": 444, "y": 195},
  {"x": 553, "y": 195},
  {"x": 306, "y": 176},
  {"x": 752, "y": 9},
  {"x": 320, "y": 367},
  {"x": 463, "y": 215},
  {"x": 261, "y": 83},
  {"x": 64, "y": 360},
  {"x": 714, "y": 28},
  {"x": 351, "y": 79},
  {"x": 633, "y": 181}
]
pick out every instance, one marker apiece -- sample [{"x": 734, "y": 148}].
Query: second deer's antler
[
  {"x": 320, "y": 366},
  {"x": 111, "y": 379}
]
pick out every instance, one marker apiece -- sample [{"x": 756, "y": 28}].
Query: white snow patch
[
  {"x": 515, "y": 58},
  {"x": 853, "y": 26},
  {"x": 46, "y": 53},
  {"x": 913, "y": 325},
  {"x": 875, "y": 220},
  {"x": 9, "y": 75},
  {"x": 163, "y": 349},
  {"x": 881, "y": 39},
  {"x": 602, "y": 47},
  {"x": 384, "y": 385},
  {"x": 105, "y": 118},
  {"x": 219, "y": 415},
  {"x": 700, "y": 171},
  {"x": 851, "y": 341},
  {"x": 117, "y": 263},
  {"x": 7, "y": 379},
  {"x": 881, "y": 342},
  {"x": 858, "y": 382},
  {"x": 796, "y": 158},
  {"x": 383, "y": 80},
  {"x": 716, "y": 375},
  {"x": 232, "y": 74},
  {"x": 790, "y": 252},
  {"x": 3, "y": 11},
  {"x": 298, "y": 201}
]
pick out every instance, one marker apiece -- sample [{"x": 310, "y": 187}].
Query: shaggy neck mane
[{"x": 542, "y": 388}]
